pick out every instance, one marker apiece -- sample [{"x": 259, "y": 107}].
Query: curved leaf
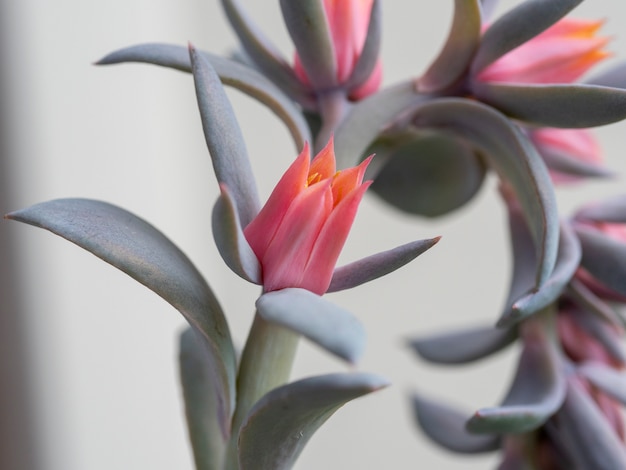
[
  {"x": 224, "y": 139},
  {"x": 603, "y": 332},
  {"x": 536, "y": 393},
  {"x": 517, "y": 26},
  {"x": 463, "y": 346},
  {"x": 145, "y": 254},
  {"x": 570, "y": 106},
  {"x": 571, "y": 165},
  {"x": 510, "y": 153},
  {"x": 201, "y": 403},
  {"x": 283, "y": 421},
  {"x": 319, "y": 320},
  {"x": 604, "y": 257},
  {"x": 230, "y": 240},
  {"x": 607, "y": 379},
  {"x": 371, "y": 49},
  {"x": 614, "y": 77},
  {"x": 587, "y": 435},
  {"x": 446, "y": 427},
  {"x": 378, "y": 265},
  {"x": 308, "y": 27},
  {"x": 458, "y": 51},
  {"x": 609, "y": 210},
  {"x": 588, "y": 301},
  {"x": 231, "y": 73}
]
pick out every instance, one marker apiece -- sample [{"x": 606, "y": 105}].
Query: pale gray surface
[{"x": 131, "y": 135}]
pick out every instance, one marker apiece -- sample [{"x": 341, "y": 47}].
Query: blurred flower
[
  {"x": 561, "y": 54},
  {"x": 298, "y": 235},
  {"x": 348, "y": 22}
]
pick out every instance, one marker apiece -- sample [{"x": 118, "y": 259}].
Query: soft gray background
[{"x": 103, "y": 348}]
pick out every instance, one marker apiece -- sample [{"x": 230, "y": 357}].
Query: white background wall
[{"x": 104, "y": 347}]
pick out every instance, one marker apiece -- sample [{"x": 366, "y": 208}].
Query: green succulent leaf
[
  {"x": 458, "y": 51},
  {"x": 371, "y": 49},
  {"x": 586, "y": 434},
  {"x": 517, "y": 26},
  {"x": 326, "y": 324},
  {"x": 378, "y": 265},
  {"x": 283, "y": 421},
  {"x": 568, "y": 106},
  {"x": 201, "y": 403},
  {"x": 231, "y": 73},
  {"x": 463, "y": 346},
  {"x": 137, "y": 248},
  {"x": 446, "y": 427},
  {"x": 610, "y": 210}
]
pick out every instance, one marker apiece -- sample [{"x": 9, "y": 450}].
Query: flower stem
[
  {"x": 333, "y": 107},
  {"x": 265, "y": 364}
]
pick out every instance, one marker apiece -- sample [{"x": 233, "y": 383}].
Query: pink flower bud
[{"x": 298, "y": 235}]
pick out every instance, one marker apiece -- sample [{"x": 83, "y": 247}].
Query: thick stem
[
  {"x": 265, "y": 364},
  {"x": 333, "y": 106}
]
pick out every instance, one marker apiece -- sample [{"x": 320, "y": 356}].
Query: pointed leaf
[
  {"x": 609, "y": 210},
  {"x": 224, "y": 139},
  {"x": 536, "y": 393},
  {"x": 378, "y": 265},
  {"x": 283, "y": 421},
  {"x": 446, "y": 427},
  {"x": 567, "y": 262},
  {"x": 517, "y": 26},
  {"x": 511, "y": 154},
  {"x": 590, "y": 440},
  {"x": 231, "y": 73},
  {"x": 604, "y": 257},
  {"x": 308, "y": 27},
  {"x": 607, "y": 379},
  {"x": 145, "y": 254},
  {"x": 458, "y": 51},
  {"x": 201, "y": 403},
  {"x": 230, "y": 240},
  {"x": 463, "y": 346},
  {"x": 570, "y": 106},
  {"x": 261, "y": 51},
  {"x": 319, "y": 320},
  {"x": 368, "y": 57}
]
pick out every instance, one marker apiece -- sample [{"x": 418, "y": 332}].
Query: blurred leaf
[
  {"x": 224, "y": 139},
  {"x": 509, "y": 152},
  {"x": 231, "y": 241},
  {"x": 231, "y": 73},
  {"x": 283, "y": 421},
  {"x": 569, "y": 106},
  {"x": 446, "y": 427},
  {"x": 371, "y": 49},
  {"x": 463, "y": 346},
  {"x": 319, "y": 320},
  {"x": 587, "y": 300},
  {"x": 602, "y": 331},
  {"x": 201, "y": 403},
  {"x": 458, "y": 51},
  {"x": 517, "y": 26},
  {"x": 609, "y": 210},
  {"x": 378, "y": 265},
  {"x": 614, "y": 77},
  {"x": 145, "y": 254},
  {"x": 572, "y": 165},
  {"x": 607, "y": 379}
]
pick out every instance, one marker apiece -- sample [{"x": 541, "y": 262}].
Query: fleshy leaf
[
  {"x": 429, "y": 175},
  {"x": 607, "y": 379},
  {"x": 231, "y": 73},
  {"x": 319, "y": 320},
  {"x": 446, "y": 427},
  {"x": 378, "y": 265},
  {"x": 511, "y": 154},
  {"x": 261, "y": 51},
  {"x": 224, "y": 139},
  {"x": 602, "y": 331},
  {"x": 371, "y": 49},
  {"x": 283, "y": 421},
  {"x": 587, "y": 300},
  {"x": 610, "y": 210},
  {"x": 589, "y": 438},
  {"x": 614, "y": 77},
  {"x": 569, "y": 106},
  {"x": 231, "y": 241},
  {"x": 145, "y": 254},
  {"x": 458, "y": 51},
  {"x": 536, "y": 393},
  {"x": 604, "y": 257},
  {"x": 517, "y": 26},
  {"x": 573, "y": 166},
  {"x": 201, "y": 403},
  {"x": 463, "y": 346},
  {"x": 308, "y": 27},
  {"x": 567, "y": 262}
]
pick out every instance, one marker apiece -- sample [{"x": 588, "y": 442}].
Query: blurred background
[{"x": 88, "y": 356}]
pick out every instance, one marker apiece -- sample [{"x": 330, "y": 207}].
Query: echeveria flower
[
  {"x": 298, "y": 235},
  {"x": 348, "y": 22},
  {"x": 561, "y": 54}
]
